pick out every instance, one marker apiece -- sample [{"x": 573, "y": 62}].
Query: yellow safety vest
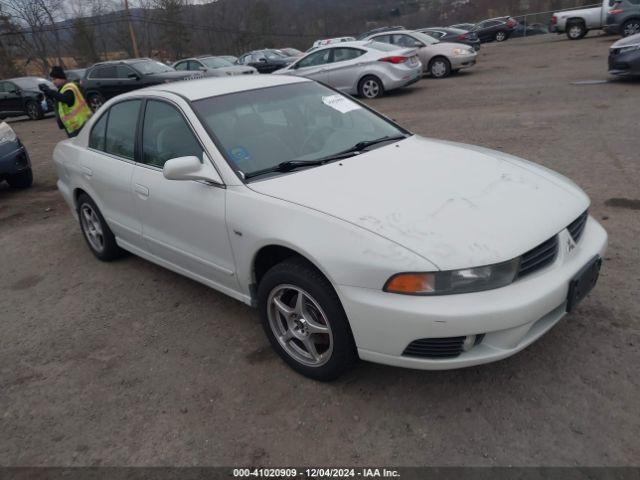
[{"x": 75, "y": 116}]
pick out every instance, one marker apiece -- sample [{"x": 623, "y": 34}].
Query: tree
[
  {"x": 175, "y": 33},
  {"x": 84, "y": 42}
]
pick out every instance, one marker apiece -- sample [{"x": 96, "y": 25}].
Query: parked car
[
  {"x": 21, "y": 96},
  {"x": 498, "y": 29},
  {"x": 368, "y": 69},
  {"x": 290, "y": 52},
  {"x": 366, "y": 35},
  {"x": 624, "y": 57},
  {"x": 453, "y": 35},
  {"x": 15, "y": 165},
  {"x": 577, "y": 23},
  {"x": 213, "y": 66},
  {"x": 351, "y": 236},
  {"x": 529, "y": 30},
  {"x": 328, "y": 41},
  {"x": 463, "y": 26},
  {"x": 105, "y": 80},
  {"x": 76, "y": 75},
  {"x": 624, "y": 18},
  {"x": 265, "y": 61},
  {"x": 438, "y": 59},
  {"x": 229, "y": 58}
]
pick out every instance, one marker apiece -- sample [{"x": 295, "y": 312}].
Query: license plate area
[{"x": 583, "y": 282}]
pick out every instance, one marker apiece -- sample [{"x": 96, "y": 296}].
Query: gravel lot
[{"x": 129, "y": 364}]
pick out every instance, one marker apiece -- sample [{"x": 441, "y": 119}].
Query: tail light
[
  {"x": 511, "y": 22},
  {"x": 395, "y": 59},
  {"x": 554, "y": 20},
  {"x": 464, "y": 36},
  {"x": 616, "y": 11}
]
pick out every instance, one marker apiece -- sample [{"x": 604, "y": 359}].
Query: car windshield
[
  {"x": 260, "y": 129},
  {"x": 382, "y": 47},
  {"x": 273, "y": 55},
  {"x": 31, "y": 83},
  {"x": 147, "y": 67},
  {"x": 216, "y": 62}
]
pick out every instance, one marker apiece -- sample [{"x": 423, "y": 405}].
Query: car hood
[
  {"x": 457, "y": 206},
  {"x": 235, "y": 70},
  {"x": 627, "y": 41}
]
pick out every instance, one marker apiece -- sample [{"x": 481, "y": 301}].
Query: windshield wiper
[{"x": 290, "y": 165}]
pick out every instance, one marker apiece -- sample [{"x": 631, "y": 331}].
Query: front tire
[
  {"x": 440, "y": 67},
  {"x": 23, "y": 179},
  {"x": 304, "y": 320},
  {"x": 96, "y": 232},
  {"x": 33, "y": 110},
  {"x": 95, "y": 101},
  {"x": 576, "y": 30},
  {"x": 370, "y": 87},
  {"x": 631, "y": 27},
  {"x": 501, "y": 36}
]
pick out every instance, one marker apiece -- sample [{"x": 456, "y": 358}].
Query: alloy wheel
[
  {"x": 92, "y": 227},
  {"x": 300, "y": 325},
  {"x": 575, "y": 31},
  {"x": 95, "y": 102},
  {"x": 439, "y": 69},
  {"x": 631, "y": 28},
  {"x": 500, "y": 36},
  {"x": 370, "y": 88},
  {"x": 32, "y": 111}
]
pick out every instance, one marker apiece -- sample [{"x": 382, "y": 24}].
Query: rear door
[
  {"x": 183, "y": 222},
  {"x": 346, "y": 68},
  {"x": 128, "y": 79},
  {"x": 104, "y": 79},
  {"x": 106, "y": 169},
  {"x": 10, "y": 100}
]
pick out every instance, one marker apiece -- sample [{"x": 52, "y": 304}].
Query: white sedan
[{"x": 353, "y": 237}]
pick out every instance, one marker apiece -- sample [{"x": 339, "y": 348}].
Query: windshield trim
[{"x": 223, "y": 152}]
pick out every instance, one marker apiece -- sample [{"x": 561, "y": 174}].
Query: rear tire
[
  {"x": 23, "y": 179},
  {"x": 304, "y": 320},
  {"x": 96, "y": 232},
  {"x": 631, "y": 27},
  {"x": 33, "y": 110},
  {"x": 440, "y": 67},
  {"x": 576, "y": 30},
  {"x": 370, "y": 87},
  {"x": 95, "y": 101}
]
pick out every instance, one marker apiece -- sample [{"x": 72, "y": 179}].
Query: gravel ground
[{"x": 129, "y": 364}]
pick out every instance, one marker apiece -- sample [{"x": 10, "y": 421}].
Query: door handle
[
  {"x": 86, "y": 171},
  {"x": 141, "y": 190}
]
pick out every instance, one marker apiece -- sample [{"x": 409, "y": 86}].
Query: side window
[
  {"x": 257, "y": 57},
  {"x": 98, "y": 133},
  {"x": 108, "y": 71},
  {"x": 383, "y": 38},
  {"x": 317, "y": 58},
  {"x": 166, "y": 135},
  {"x": 4, "y": 87},
  {"x": 121, "y": 128},
  {"x": 193, "y": 65},
  {"x": 123, "y": 72},
  {"x": 344, "y": 54},
  {"x": 244, "y": 60},
  {"x": 181, "y": 66},
  {"x": 404, "y": 41}
]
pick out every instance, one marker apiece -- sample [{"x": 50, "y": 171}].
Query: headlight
[
  {"x": 462, "y": 51},
  {"x": 630, "y": 48},
  {"x": 454, "y": 281},
  {"x": 6, "y": 133}
]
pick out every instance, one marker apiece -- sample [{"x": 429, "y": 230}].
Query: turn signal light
[
  {"x": 395, "y": 59},
  {"x": 411, "y": 283},
  {"x": 616, "y": 11}
]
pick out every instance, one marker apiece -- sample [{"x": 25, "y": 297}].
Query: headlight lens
[
  {"x": 454, "y": 281},
  {"x": 6, "y": 133},
  {"x": 630, "y": 48}
]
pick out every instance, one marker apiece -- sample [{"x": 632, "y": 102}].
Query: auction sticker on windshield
[{"x": 340, "y": 103}]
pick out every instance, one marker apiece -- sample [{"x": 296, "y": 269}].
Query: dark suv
[
  {"x": 108, "y": 79},
  {"x": 20, "y": 96},
  {"x": 498, "y": 29},
  {"x": 624, "y": 18}
]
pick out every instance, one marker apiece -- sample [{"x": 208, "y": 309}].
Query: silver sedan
[
  {"x": 439, "y": 59},
  {"x": 213, "y": 66},
  {"x": 365, "y": 68}
]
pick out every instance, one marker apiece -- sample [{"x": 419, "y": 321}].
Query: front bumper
[
  {"x": 625, "y": 64},
  {"x": 13, "y": 158},
  {"x": 463, "y": 61},
  {"x": 510, "y": 318}
]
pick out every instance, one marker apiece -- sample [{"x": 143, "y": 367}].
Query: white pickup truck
[{"x": 576, "y": 23}]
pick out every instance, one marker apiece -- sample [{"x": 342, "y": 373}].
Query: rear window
[{"x": 382, "y": 47}]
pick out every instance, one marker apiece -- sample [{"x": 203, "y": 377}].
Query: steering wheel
[{"x": 315, "y": 136}]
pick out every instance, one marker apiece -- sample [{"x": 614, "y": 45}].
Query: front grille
[
  {"x": 538, "y": 257},
  {"x": 435, "y": 347},
  {"x": 577, "y": 226}
]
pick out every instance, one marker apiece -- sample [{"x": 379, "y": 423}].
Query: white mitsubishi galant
[{"x": 352, "y": 236}]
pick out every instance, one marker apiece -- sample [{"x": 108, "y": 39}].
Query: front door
[
  {"x": 315, "y": 66},
  {"x": 346, "y": 69},
  {"x": 183, "y": 222}
]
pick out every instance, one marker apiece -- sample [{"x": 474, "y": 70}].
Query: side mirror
[
  {"x": 419, "y": 45},
  {"x": 133, "y": 76},
  {"x": 190, "y": 168},
  {"x": 263, "y": 60}
]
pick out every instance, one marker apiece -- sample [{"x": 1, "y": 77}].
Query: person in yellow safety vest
[{"x": 72, "y": 110}]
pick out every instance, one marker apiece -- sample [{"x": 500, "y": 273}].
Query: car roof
[
  {"x": 124, "y": 60},
  {"x": 352, "y": 43},
  {"x": 391, "y": 32},
  {"x": 216, "y": 86}
]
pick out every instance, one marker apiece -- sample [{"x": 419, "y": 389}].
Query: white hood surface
[{"x": 456, "y": 205}]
